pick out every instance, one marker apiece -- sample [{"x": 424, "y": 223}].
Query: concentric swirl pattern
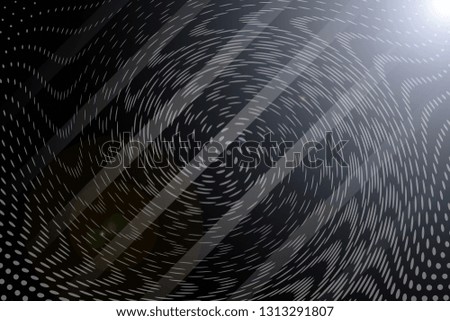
[{"x": 129, "y": 78}]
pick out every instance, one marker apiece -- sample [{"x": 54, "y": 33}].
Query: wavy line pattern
[{"x": 375, "y": 230}]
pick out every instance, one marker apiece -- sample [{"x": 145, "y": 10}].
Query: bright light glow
[{"x": 441, "y": 8}]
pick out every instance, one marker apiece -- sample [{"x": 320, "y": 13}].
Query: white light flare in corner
[{"x": 440, "y": 9}]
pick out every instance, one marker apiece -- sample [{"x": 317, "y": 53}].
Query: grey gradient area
[{"x": 237, "y": 125}]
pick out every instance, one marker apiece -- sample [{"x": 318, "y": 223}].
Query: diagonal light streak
[
  {"x": 111, "y": 89},
  {"x": 182, "y": 99},
  {"x": 298, "y": 65},
  {"x": 261, "y": 188}
]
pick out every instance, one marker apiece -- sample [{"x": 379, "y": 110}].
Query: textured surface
[{"x": 72, "y": 77}]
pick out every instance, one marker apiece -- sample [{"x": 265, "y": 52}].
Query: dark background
[{"x": 388, "y": 233}]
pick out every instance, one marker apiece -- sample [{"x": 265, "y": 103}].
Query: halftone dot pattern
[{"x": 76, "y": 76}]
